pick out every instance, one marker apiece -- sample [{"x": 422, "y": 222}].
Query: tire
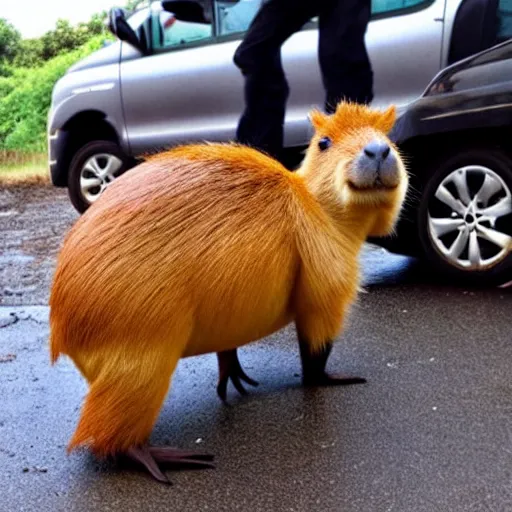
[
  {"x": 91, "y": 162},
  {"x": 454, "y": 236}
]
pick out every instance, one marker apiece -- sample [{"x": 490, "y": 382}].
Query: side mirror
[
  {"x": 114, "y": 15},
  {"x": 118, "y": 25},
  {"x": 186, "y": 10}
]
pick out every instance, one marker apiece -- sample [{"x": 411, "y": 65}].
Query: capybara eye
[{"x": 324, "y": 143}]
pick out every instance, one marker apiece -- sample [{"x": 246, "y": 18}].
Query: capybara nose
[
  {"x": 376, "y": 167},
  {"x": 377, "y": 150}
]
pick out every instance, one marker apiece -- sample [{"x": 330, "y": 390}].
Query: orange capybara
[{"x": 206, "y": 248}]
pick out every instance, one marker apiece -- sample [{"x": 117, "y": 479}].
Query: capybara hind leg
[
  {"x": 230, "y": 368},
  {"x": 154, "y": 458},
  {"x": 123, "y": 404},
  {"x": 314, "y": 367}
]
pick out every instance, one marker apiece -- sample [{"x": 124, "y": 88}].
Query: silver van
[{"x": 170, "y": 78}]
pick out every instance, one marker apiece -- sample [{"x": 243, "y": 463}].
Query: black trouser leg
[
  {"x": 344, "y": 62},
  {"x": 261, "y": 124},
  {"x": 259, "y": 59}
]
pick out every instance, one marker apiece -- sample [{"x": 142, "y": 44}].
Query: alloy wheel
[
  {"x": 97, "y": 173},
  {"x": 467, "y": 218}
]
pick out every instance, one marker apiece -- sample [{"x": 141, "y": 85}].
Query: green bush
[{"x": 25, "y": 98}]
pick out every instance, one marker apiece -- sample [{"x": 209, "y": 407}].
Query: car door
[
  {"x": 168, "y": 95},
  {"x": 190, "y": 89},
  {"x": 405, "y": 43}
]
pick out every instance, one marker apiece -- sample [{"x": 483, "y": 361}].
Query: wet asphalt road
[{"x": 430, "y": 431}]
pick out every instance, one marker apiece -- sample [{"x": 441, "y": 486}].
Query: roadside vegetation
[{"x": 29, "y": 69}]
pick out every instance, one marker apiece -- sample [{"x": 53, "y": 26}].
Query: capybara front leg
[{"x": 314, "y": 364}]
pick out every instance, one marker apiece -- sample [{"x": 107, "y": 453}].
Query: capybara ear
[
  {"x": 387, "y": 119},
  {"x": 317, "y": 119}
]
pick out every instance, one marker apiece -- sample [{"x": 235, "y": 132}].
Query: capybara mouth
[{"x": 377, "y": 186}]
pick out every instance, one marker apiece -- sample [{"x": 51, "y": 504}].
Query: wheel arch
[
  {"x": 80, "y": 129},
  {"x": 422, "y": 151}
]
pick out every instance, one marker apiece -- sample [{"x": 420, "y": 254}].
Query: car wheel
[
  {"x": 465, "y": 217},
  {"x": 92, "y": 169}
]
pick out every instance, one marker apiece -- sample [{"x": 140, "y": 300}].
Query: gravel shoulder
[{"x": 33, "y": 222}]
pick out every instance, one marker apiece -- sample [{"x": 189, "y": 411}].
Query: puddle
[{"x": 380, "y": 266}]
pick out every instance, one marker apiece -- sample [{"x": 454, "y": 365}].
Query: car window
[
  {"x": 176, "y": 32},
  {"x": 505, "y": 20},
  {"x": 169, "y": 32},
  {"x": 389, "y": 6},
  {"x": 236, "y": 16}
]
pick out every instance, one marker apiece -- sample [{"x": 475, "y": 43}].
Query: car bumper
[{"x": 57, "y": 143}]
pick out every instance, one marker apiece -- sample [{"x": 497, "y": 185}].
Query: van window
[
  {"x": 169, "y": 32},
  {"x": 235, "y": 17}
]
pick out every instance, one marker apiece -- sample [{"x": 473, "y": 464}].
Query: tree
[
  {"x": 9, "y": 41},
  {"x": 96, "y": 25},
  {"x": 63, "y": 38}
]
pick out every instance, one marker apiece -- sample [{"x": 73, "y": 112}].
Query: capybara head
[{"x": 352, "y": 159}]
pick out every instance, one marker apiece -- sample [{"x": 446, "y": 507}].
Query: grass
[{"x": 23, "y": 169}]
